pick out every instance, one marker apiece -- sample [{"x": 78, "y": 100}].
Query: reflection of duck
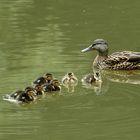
[
  {"x": 126, "y": 60},
  {"x": 130, "y": 77},
  {"x": 70, "y": 81},
  {"x": 46, "y": 78},
  {"x": 54, "y": 85}
]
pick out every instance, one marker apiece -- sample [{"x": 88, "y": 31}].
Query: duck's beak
[{"x": 87, "y": 49}]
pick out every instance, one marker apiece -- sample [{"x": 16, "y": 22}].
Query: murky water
[{"x": 38, "y": 36}]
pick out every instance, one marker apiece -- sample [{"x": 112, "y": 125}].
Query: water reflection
[
  {"x": 102, "y": 86},
  {"x": 125, "y": 77},
  {"x": 46, "y": 36}
]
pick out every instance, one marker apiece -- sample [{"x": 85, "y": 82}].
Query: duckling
[
  {"x": 125, "y": 60},
  {"x": 39, "y": 89},
  {"x": 46, "y": 78},
  {"x": 54, "y": 85},
  {"x": 26, "y": 96},
  {"x": 93, "y": 81},
  {"x": 29, "y": 88},
  {"x": 69, "y": 78},
  {"x": 13, "y": 95},
  {"x": 70, "y": 81},
  {"x": 91, "y": 78}
]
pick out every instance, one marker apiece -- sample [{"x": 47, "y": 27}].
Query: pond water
[{"x": 39, "y": 36}]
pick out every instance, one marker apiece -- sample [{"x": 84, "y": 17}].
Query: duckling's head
[
  {"x": 55, "y": 82},
  {"x": 28, "y": 88},
  {"x": 38, "y": 87},
  {"x": 48, "y": 76},
  {"x": 70, "y": 74},
  {"x": 100, "y": 45},
  {"x": 30, "y": 91}
]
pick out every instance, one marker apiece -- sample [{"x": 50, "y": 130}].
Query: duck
[
  {"x": 13, "y": 95},
  {"x": 124, "y": 60},
  {"x": 54, "y": 85},
  {"x": 91, "y": 78},
  {"x": 69, "y": 78},
  {"x": 26, "y": 95},
  {"x": 70, "y": 81},
  {"x": 39, "y": 89},
  {"x": 46, "y": 78}
]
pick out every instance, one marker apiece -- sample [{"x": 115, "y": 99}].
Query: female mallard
[{"x": 125, "y": 60}]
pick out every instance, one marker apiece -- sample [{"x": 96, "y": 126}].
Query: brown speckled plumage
[{"x": 125, "y": 60}]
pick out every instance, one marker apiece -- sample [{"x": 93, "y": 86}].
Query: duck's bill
[{"x": 86, "y": 49}]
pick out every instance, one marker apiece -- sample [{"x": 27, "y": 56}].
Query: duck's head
[
  {"x": 38, "y": 87},
  {"x": 100, "y": 45},
  {"x": 48, "y": 76},
  {"x": 56, "y": 83},
  {"x": 70, "y": 74},
  {"x": 30, "y": 91}
]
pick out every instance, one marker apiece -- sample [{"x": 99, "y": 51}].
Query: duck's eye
[{"x": 97, "y": 74}]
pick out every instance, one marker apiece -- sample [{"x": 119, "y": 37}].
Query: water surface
[{"x": 39, "y": 36}]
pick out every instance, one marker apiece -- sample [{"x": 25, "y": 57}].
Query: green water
[{"x": 39, "y": 36}]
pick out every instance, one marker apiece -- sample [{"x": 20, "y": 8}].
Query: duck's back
[{"x": 126, "y": 60}]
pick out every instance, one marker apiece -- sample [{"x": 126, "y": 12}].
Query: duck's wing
[
  {"x": 124, "y": 60},
  {"x": 128, "y": 56}
]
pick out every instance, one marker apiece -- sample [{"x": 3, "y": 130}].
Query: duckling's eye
[{"x": 97, "y": 74}]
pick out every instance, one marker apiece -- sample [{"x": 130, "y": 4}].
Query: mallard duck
[
  {"x": 39, "y": 89},
  {"x": 70, "y": 81},
  {"x": 54, "y": 85},
  {"x": 92, "y": 81},
  {"x": 26, "y": 96},
  {"x": 13, "y": 95},
  {"x": 91, "y": 78},
  {"x": 69, "y": 78},
  {"x": 46, "y": 78},
  {"x": 125, "y": 60}
]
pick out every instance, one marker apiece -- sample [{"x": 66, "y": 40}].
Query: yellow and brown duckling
[
  {"x": 69, "y": 78},
  {"x": 54, "y": 85},
  {"x": 92, "y": 81},
  {"x": 26, "y": 96},
  {"x": 91, "y": 78},
  {"x": 70, "y": 81},
  {"x": 39, "y": 89},
  {"x": 46, "y": 78},
  {"x": 13, "y": 95},
  {"x": 125, "y": 60}
]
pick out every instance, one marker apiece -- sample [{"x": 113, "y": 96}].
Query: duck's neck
[
  {"x": 97, "y": 63},
  {"x": 103, "y": 53}
]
